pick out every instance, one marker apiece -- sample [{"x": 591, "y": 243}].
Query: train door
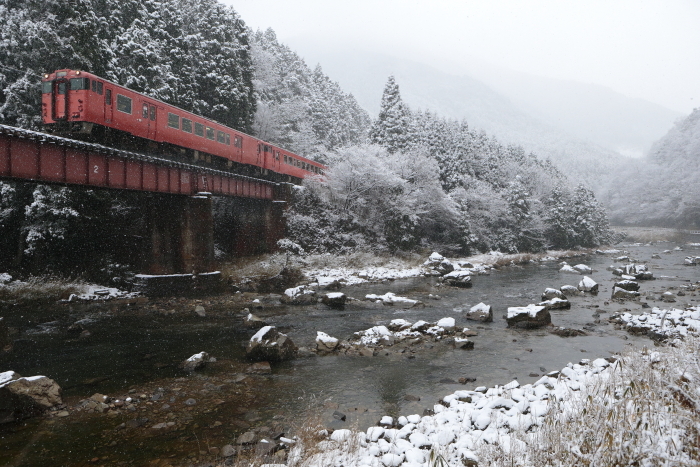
[
  {"x": 109, "y": 109},
  {"x": 149, "y": 117},
  {"x": 60, "y": 99}
]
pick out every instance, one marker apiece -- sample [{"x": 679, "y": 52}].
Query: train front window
[
  {"x": 77, "y": 84},
  {"x": 46, "y": 87},
  {"x": 187, "y": 125},
  {"x": 62, "y": 88},
  {"x": 198, "y": 129},
  {"x": 210, "y": 133},
  {"x": 173, "y": 121},
  {"x": 124, "y": 104}
]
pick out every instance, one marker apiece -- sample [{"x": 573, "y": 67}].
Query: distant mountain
[
  {"x": 553, "y": 126},
  {"x": 587, "y": 111},
  {"x": 663, "y": 188}
]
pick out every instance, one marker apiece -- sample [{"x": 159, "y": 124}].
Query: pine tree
[{"x": 392, "y": 127}]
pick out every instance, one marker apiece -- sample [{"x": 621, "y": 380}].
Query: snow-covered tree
[{"x": 392, "y": 127}]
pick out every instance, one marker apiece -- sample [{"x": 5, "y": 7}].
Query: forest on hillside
[
  {"x": 404, "y": 181},
  {"x": 664, "y": 187}
]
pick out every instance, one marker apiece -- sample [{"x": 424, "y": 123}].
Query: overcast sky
[{"x": 646, "y": 49}]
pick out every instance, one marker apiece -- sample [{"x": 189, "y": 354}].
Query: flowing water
[{"x": 126, "y": 351}]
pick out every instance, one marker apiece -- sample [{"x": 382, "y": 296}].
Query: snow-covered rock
[
  {"x": 459, "y": 278},
  {"x": 448, "y": 324},
  {"x": 22, "y": 398},
  {"x": 568, "y": 269},
  {"x": 624, "y": 294},
  {"x": 583, "y": 269},
  {"x": 588, "y": 285},
  {"x": 627, "y": 285},
  {"x": 480, "y": 312},
  {"x": 270, "y": 345},
  {"x": 335, "y": 300},
  {"x": 325, "y": 343},
  {"x": 556, "y": 304},
  {"x": 570, "y": 290},
  {"x": 195, "y": 362},
  {"x": 550, "y": 293},
  {"x": 530, "y": 316}
]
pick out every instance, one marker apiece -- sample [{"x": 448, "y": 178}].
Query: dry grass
[
  {"x": 43, "y": 288},
  {"x": 646, "y": 413}
]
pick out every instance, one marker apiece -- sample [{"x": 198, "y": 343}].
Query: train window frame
[
  {"x": 108, "y": 97},
  {"x": 173, "y": 120},
  {"x": 186, "y": 125},
  {"x": 47, "y": 87},
  {"x": 210, "y": 133},
  {"x": 199, "y": 129},
  {"x": 79, "y": 84},
  {"x": 220, "y": 137},
  {"x": 124, "y": 104}
]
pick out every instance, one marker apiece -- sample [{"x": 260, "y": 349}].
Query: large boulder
[
  {"x": 335, "y": 300},
  {"x": 588, "y": 285},
  {"x": 22, "y": 398},
  {"x": 531, "y": 316},
  {"x": 459, "y": 278},
  {"x": 480, "y": 312},
  {"x": 270, "y": 345}
]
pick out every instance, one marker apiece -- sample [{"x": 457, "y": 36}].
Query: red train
[{"x": 84, "y": 105}]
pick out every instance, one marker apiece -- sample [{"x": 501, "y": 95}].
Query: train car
[{"x": 80, "y": 104}]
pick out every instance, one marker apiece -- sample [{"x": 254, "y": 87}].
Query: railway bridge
[{"x": 179, "y": 211}]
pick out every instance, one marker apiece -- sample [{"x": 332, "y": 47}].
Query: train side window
[
  {"x": 77, "y": 84},
  {"x": 221, "y": 137},
  {"x": 210, "y": 133},
  {"x": 228, "y": 139},
  {"x": 145, "y": 110},
  {"x": 173, "y": 121},
  {"x": 47, "y": 87},
  {"x": 153, "y": 112},
  {"x": 99, "y": 87},
  {"x": 108, "y": 97},
  {"x": 94, "y": 86},
  {"x": 187, "y": 125},
  {"x": 198, "y": 129},
  {"x": 124, "y": 104}
]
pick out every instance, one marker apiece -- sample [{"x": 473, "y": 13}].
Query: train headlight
[
  {"x": 77, "y": 72},
  {"x": 46, "y": 76}
]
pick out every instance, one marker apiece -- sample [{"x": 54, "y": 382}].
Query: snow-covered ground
[
  {"x": 395, "y": 269},
  {"x": 637, "y": 408}
]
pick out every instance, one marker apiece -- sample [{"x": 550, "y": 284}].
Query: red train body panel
[{"x": 75, "y": 101}]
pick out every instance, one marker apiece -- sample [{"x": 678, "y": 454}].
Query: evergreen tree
[{"x": 392, "y": 127}]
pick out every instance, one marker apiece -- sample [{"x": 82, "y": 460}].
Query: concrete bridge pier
[{"x": 181, "y": 234}]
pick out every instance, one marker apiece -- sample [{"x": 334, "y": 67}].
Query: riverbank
[{"x": 638, "y": 408}]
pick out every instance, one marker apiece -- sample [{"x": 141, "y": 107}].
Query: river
[{"x": 138, "y": 351}]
